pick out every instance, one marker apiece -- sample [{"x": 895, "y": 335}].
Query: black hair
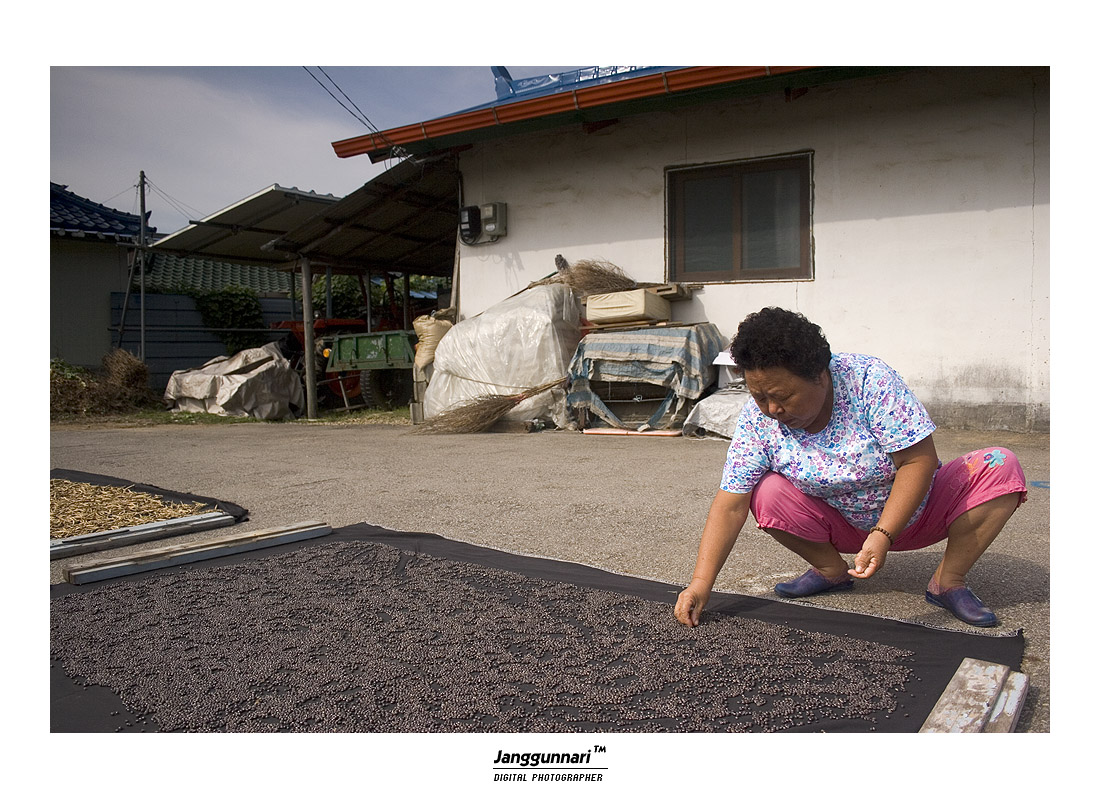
[{"x": 776, "y": 337}]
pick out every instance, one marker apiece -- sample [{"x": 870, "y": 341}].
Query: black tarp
[
  {"x": 369, "y": 629},
  {"x": 238, "y": 513}
]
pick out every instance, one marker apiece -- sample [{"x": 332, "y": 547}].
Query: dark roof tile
[
  {"x": 171, "y": 272},
  {"x": 71, "y": 213}
]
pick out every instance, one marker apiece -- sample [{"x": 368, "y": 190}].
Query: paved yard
[{"x": 632, "y": 505}]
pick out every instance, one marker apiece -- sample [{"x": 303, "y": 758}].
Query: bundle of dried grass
[
  {"x": 481, "y": 413},
  {"x": 125, "y": 370},
  {"x": 121, "y": 386},
  {"x": 126, "y": 380},
  {"x": 590, "y": 276},
  {"x": 78, "y": 508},
  {"x": 594, "y": 276}
]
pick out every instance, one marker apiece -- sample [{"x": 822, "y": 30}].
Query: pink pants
[{"x": 958, "y": 486}]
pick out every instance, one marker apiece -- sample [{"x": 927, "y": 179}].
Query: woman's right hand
[{"x": 690, "y": 603}]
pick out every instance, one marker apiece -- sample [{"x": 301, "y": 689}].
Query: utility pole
[{"x": 141, "y": 255}]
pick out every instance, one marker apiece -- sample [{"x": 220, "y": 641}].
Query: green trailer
[
  {"x": 383, "y": 362},
  {"x": 380, "y": 350}
]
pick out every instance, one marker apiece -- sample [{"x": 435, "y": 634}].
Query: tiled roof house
[
  {"x": 78, "y": 217},
  {"x": 91, "y": 252},
  {"x": 90, "y": 247}
]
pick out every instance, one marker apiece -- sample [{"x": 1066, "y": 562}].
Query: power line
[
  {"x": 369, "y": 124},
  {"x": 357, "y": 113},
  {"x": 178, "y": 205},
  {"x": 112, "y": 197}
]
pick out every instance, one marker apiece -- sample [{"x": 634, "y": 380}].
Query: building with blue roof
[{"x": 904, "y": 209}]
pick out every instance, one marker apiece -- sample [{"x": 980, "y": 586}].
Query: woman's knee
[
  {"x": 772, "y": 495},
  {"x": 994, "y": 472},
  {"x": 778, "y": 505},
  {"x": 994, "y": 459}
]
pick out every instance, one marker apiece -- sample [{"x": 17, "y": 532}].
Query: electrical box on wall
[
  {"x": 483, "y": 224},
  {"x": 494, "y": 219}
]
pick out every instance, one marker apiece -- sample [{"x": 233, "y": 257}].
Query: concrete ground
[{"x": 628, "y": 504}]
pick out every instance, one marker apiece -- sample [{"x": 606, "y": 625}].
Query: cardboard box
[{"x": 636, "y": 305}]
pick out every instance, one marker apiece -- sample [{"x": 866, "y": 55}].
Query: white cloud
[
  {"x": 205, "y": 145},
  {"x": 208, "y": 137}
]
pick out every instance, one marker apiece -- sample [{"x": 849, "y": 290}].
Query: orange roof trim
[{"x": 671, "y": 82}]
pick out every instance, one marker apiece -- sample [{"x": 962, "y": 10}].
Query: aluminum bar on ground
[
  {"x": 198, "y": 551},
  {"x": 135, "y": 534}
]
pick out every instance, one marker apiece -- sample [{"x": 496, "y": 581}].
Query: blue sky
[{"x": 207, "y": 137}]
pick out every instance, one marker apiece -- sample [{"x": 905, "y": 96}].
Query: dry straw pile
[
  {"x": 122, "y": 385},
  {"x": 78, "y": 508}
]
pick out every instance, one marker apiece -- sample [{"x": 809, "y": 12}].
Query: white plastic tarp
[
  {"x": 715, "y": 416},
  {"x": 257, "y": 383},
  {"x": 522, "y": 342}
]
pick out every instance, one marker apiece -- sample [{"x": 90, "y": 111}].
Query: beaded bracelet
[{"x": 884, "y": 532}]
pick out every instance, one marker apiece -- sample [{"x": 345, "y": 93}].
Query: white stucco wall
[{"x": 930, "y": 223}]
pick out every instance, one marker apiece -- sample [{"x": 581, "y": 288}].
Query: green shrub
[{"x": 232, "y": 307}]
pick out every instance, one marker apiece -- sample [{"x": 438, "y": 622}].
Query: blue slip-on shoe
[
  {"x": 811, "y": 582},
  {"x": 965, "y": 605}
]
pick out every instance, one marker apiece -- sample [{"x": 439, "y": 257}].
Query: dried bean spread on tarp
[{"x": 373, "y": 630}]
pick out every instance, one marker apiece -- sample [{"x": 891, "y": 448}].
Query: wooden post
[
  {"x": 370, "y": 306},
  {"x": 406, "y": 323},
  {"x": 308, "y": 339},
  {"x": 136, "y": 534}
]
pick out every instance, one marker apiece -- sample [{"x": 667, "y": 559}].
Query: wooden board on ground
[
  {"x": 135, "y": 534},
  {"x": 197, "y": 551},
  {"x": 981, "y": 697},
  {"x": 626, "y": 432}
]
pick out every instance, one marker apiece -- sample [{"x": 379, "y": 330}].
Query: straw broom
[
  {"x": 480, "y": 413},
  {"x": 590, "y": 276}
]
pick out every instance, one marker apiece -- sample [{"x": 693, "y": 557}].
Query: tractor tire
[{"x": 387, "y": 388}]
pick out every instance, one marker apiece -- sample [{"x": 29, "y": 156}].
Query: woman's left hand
[{"x": 872, "y": 557}]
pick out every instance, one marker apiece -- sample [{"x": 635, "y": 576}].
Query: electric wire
[
  {"x": 176, "y": 204},
  {"x": 357, "y": 113},
  {"x": 366, "y": 120},
  {"x": 119, "y": 194},
  {"x": 395, "y": 149}
]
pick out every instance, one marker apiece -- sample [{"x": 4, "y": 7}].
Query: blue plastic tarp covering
[{"x": 680, "y": 359}]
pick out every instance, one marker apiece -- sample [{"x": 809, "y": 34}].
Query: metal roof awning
[
  {"x": 239, "y": 232},
  {"x": 404, "y": 220}
]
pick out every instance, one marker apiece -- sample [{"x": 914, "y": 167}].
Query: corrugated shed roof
[
  {"x": 73, "y": 215},
  {"x": 404, "y": 220},
  {"x": 239, "y": 232}
]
